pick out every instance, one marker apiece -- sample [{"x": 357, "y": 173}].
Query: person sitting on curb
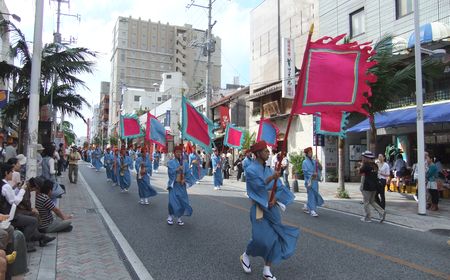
[{"x": 45, "y": 206}]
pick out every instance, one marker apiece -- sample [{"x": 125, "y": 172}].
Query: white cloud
[{"x": 98, "y": 17}]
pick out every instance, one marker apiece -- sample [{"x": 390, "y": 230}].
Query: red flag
[
  {"x": 130, "y": 127},
  {"x": 334, "y": 77}
]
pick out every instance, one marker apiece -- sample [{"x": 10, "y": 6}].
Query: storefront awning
[
  {"x": 432, "y": 113},
  {"x": 431, "y": 32}
]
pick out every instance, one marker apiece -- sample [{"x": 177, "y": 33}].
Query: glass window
[
  {"x": 403, "y": 7},
  {"x": 137, "y": 98},
  {"x": 357, "y": 23}
]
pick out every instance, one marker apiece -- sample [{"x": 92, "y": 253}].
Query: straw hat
[{"x": 22, "y": 159}]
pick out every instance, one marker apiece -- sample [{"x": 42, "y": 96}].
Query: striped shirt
[{"x": 45, "y": 206}]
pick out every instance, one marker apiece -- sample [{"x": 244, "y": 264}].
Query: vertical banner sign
[
  {"x": 224, "y": 116},
  {"x": 167, "y": 118},
  {"x": 287, "y": 69}
]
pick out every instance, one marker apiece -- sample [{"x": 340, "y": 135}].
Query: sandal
[
  {"x": 245, "y": 267},
  {"x": 269, "y": 277},
  {"x": 180, "y": 223}
]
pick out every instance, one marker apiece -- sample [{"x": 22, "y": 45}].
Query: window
[
  {"x": 403, "y": 7},
  {"x": 168, "y": 76},
  {"x": 357, "y": 23},
  {"x": 137, "y": 98}
]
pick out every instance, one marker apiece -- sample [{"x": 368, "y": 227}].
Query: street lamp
[{"x": 14, "y": 16}]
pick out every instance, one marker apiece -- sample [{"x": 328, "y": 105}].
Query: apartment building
[
  {"x": 272, "y": 22},
  {"x": 104, "y": 108},
  {"x": 143, "y": 50}
]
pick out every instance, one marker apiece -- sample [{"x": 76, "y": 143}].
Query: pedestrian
[
  {"x": 370, "y": 182},
  {"x": 431, "y": 177},
  {"x": 400, "y": 172},
  {"x": 285, "y": 171},
  {"x": 247, "y": 161},
  {"x": 226, "y": 166},
  {"x": 238, "y": 165},
  {"x": 124, "y": 165},
  {"x": 311, "y": 171},
  {"x": 74, "y": 157},
  {"x": 383, "y": 175},
  {"x": 61, "y": 160},
  {"x": 270, "y": 239},
  {"x": 143, "y": 165},
  {"x": 10, "y": 150},
  {"x": 216, "y": 165},
  {"x": 180, "y": 178}
]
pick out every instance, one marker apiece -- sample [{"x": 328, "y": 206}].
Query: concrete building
[
  {"x": 4, "y": 53},
  {"x": 270, "y": 22},
  {"x": 143, "y": 50},
  {"x": 365, "y": 21},
  {"x": 104, "y": 108}
]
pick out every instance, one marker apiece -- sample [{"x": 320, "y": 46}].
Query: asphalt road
[{"x": 333, "y": 246}]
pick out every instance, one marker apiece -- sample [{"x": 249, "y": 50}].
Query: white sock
[{"x": 266, "y": 271}]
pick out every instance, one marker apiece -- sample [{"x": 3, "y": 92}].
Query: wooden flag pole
[{"x": 300, "y": 86}]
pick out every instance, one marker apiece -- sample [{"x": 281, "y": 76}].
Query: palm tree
[
  {"x": 59, "y": 67},
  {"x": 395, "y": 79},
  {"x": 69, "y": 134}
]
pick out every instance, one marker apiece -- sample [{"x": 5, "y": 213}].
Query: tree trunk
[
  {"x": 341, "y": 165},
  {"x": 372, "y": 146}
]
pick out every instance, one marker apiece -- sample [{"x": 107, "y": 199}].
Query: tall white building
[{"x": 143, "y": 50}]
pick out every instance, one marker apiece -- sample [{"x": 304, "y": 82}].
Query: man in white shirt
[{"x": 383, "y": 175}]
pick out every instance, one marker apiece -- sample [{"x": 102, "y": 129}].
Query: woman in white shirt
[
  {"x": 15, "y": 178},
  {"x": 383, "y": 175}
]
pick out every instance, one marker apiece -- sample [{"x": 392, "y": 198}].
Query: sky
[{"x": 97, "y": 19}]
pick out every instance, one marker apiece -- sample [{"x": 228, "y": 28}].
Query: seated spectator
[
  {"x": 27, "y": 224},
  {"x": 15, "y": 178},
  {"x": 45, "y": 206}
]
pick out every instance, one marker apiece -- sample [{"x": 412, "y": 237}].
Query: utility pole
[
  {"x": 57, "y": 39},
  {"x": 33, "y": 107},
  {"x": 208, "y": 48}
]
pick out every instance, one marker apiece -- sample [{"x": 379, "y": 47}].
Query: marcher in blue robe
[
  {"x": 143, "y": 165},
  {"x": 311, "y": 171},
  {"x": 156, "y": 159},
  {"x": 194, "y": 163},
  {"x": 124, "y": 165},
  {"x": 180, "y": 178},
  {"x": 108, "y": 163},
  {"x": 115, "y": 168},
  {"x": 216, "y": 163},
  {"x": 247, "y": 161},
  {"x": 96, "y": 156},
  {"x": 270, "y": 240}
]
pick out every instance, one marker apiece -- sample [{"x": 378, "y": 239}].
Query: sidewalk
[{"x": 87, "y": 252}]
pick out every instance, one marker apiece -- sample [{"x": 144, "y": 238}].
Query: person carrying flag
[
  {"x": 143, "y": 165},
  {"x": 270, "y": 239},
  {"x": 180, "y": 178},
  {"x": 124, "y": 164}
]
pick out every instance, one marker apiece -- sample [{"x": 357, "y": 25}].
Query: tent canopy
[{"x": 432, "y": 113}]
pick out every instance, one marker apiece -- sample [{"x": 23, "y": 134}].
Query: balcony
[{"x": 428, "y": 97}]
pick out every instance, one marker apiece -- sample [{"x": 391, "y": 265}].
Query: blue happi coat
[
  {"x": 124, "y": 165},
  {"x": 143, "y": 181},
  {"x": 156, "y": 159},
  {"x": 194, "y": 163},
  {"x": 96, "y": 156},
  {"x": 216, "y": 163},
  {"x": 178, "y": 196},
  {"x": 108, "y": 160},
  {"x": 309, "y": 167},
  {"x": 271, "y": 240}
]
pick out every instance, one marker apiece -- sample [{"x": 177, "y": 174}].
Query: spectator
[
  {"x": 39, "y": 149},
  {"x": 400, "y": 172},
  {"x": 15, "y": 178},
  {"x": 369, "y": 172},
  {"x": 74, "y": 157},
  {"x": 239, "y": 167},
  {"x": 45, "y": 206},
  {"x": 10, "y": 149},
  {"x": 431, "y": 177},
  {"x": 383, "y": 175},
  {"x": 285, "y": 171},
  {"x": 61, "y": 160}
]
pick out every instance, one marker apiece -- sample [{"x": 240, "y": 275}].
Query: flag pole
[{"x": 300, "y": 86}]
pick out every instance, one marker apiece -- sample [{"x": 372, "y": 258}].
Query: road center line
[{"x": 372, "y": 252}]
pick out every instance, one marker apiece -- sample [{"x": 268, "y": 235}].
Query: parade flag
[
  {"x": 155, "y": 131},
  {"x": 334, "y": 77},
  {"x": 196, "y": 127},
  {"x": 234, "y": 137},
  {"x": 130, "y": 127},
  {"x": 268, "y": 132},
  {"x": 331, "y": 123}
]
